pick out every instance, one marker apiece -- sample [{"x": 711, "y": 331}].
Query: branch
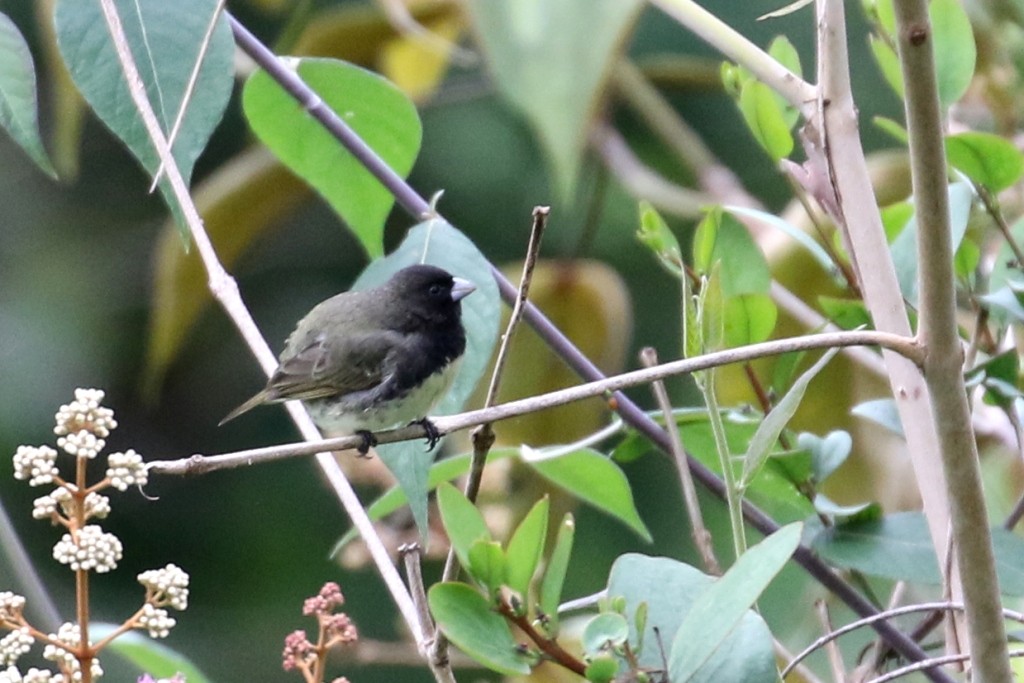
[
  {"x": 943, "y": 372},
  {"x": 199, "y": 464},
  {"x": 736, "y": 47}
]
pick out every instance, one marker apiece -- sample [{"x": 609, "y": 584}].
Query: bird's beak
[{"x": 461, "y": 289}]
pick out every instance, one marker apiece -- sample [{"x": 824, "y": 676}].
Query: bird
[{"x": 362, "y": 361}]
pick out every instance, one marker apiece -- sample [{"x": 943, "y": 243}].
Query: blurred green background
[{"x": 76, "y": 281}]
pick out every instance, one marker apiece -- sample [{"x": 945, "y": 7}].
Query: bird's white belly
[{"x": 338, "y": 418}]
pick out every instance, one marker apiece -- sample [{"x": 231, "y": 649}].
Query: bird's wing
[{"x": 327, "y": 366}]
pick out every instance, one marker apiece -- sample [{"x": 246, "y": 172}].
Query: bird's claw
[
  {"x": 369, "y": 441},
  {"x": 433, "y": 436}
]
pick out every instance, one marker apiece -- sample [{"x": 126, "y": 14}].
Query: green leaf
[
  {"x": 551, "y": 59},
  {"x": 989, "y": 160},
  {"x": 895, "y": 130},
  {"x": 999, "y": 375},
  {"x": 904, "y": 248},
  {"x": 601, "y": 669},
  {"x": 882, "y": 412},
  {"x": 526, "y": 547},
  {"x": 744, "y": 268},
  {"x": 798, "y": 235},
  {"x": 438, "y": 243},
  {"x": 658, "y": 237},
  {"x": 784, "y": 369},
  {"x": 704, "y": 238},
  {"x": 693, "y": 336},
  {"x": 848, "y": 314},
  {"x": 594, "y": 479},
  {"x": 785, "y": 53},
  {"x": 556, "y": 570},
  {"x": 603, "y": 632},
  {"x": 895, "y": 218},
  {"x": 165, "y": 39},
  {"x": 765, "y": 118},
  {"x": 18, "y": 102},
  {"x": 462, "y": 521},
  {"x": 955, "y": 52},
  {"x": 669, "y": 588},
  {"x": 394, "y": 498},
  {"x": 767, "y": 434},
  {"x": 888, "y": 64},
  {"x": 846, "y": 514},
  {"x": 897, "y": 546},
  {"x": 772, "y": 489},
  {"x": 718, "y": 610},
  {"x": 827, "y": 454},
  {"x": 375, "y": 109},
  {"x": 966, "y": 259},
  {"x": 1006, "y": 302},
  {"x": 487, "y": 564},
  {"x": 148, "y": 655},
  {"x": 466, "y": 618},
  {"x": 749, "y": 319}
]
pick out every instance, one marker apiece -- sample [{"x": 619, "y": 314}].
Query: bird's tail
[{"x": 262, "y": 397}]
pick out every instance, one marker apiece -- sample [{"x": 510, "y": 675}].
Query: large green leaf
[
  {"x": 670, "y": 588},
  {"x": 744, "y": 268},
  {"x": 438, "y": 243},
  {"x": 749, "y": 319},
  {"x": 717, "y": 611},
  {"x": 18, "y": 101},
  {"x": 593, "y": 478},
  {"x": 165, "y": 39},
  {"x": 466, "y": 618},
  {"x": 898, "y": 547},
  {"x": 551, "y": 60},
  {"x": 375, "y": 109}
]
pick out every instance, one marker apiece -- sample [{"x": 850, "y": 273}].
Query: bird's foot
[
  {"x": 433, "y": 436},
  {"x": 369, "y": 441}
]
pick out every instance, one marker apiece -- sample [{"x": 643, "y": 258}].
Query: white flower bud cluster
[
  {"x": 35, "y": 463},
  {"x": 93, "y": 550},
  {"x": 156, "y": 620},
  {"x": 14, "y": 645},
  {"x": 82, "y": 444},
  {"x": 85, "y": 413},
  {"x": 126, "y": 469},
  {"x": 34, "y": 675},
  {"x": 71, "y": 637},
  {"x": 167, "y": 586},
  {"x": 11, "y": 606}
]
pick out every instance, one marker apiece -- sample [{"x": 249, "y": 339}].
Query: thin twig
[
  {"x": 190, "y": 87},
  {"x": 225, "y": 290},
  {"x": 929, "y": 664},
  {"x": 199, "y": 464},
  {"x": 943, "y": 606},
  {"x": 700, "y": 533},
  {"x": 835, "y": 657},
  {"x": 483, "y": 435}
]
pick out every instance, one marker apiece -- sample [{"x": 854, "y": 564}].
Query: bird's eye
[{"x": 436, "y": 290}]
